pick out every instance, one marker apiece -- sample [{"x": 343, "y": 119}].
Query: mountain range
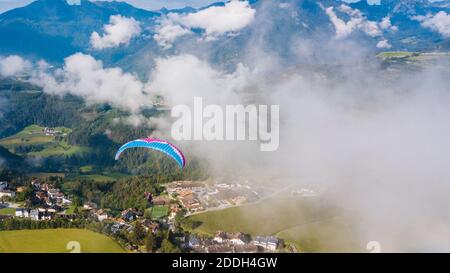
[{"x": 54, "y": 29}]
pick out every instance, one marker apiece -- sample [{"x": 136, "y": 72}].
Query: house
[
  {"x": 150, "y": 225},
  {"x": 41, "y": 195},
  {"x": 268, "y": 243},
  {"x": 101, "y": 215},
  {"x": 89, "y": 205},
  {"x": 3, "y": 185},
  {"x": 53, "y": 193},
  {"x": 238, "y": 238},
  {"x": 36, "y": 184},
  {"x": 23, "y": 213},
  {"x": 45, "y": 187},
  {"x": 129, "y": 214},
  {"x": 66, "y": 201},
  {"x": 7, "y": 193},
  {"x": 173, "y": 211},
  {"x": 193, "y": 241},
  {"x": 220, "y": 237},
  {"x": 34, "y": 214},
  {"x": 232, "y": 238}
]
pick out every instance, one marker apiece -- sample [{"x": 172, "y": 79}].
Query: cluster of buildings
[
  {"x": 120, "y": 224},
  {"x": 50, "y": 202},
  {"x": 50, "y": 195},
  {"x": 224, "y": 242},
  {"x": 199, "y": 196},
  {"x": 187, "y": 193},
  {"x": 48, "y": 131},
  {"x": 124, "y": 222}
]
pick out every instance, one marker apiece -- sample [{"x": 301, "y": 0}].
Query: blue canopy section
[{"x": 157, "y": 145}]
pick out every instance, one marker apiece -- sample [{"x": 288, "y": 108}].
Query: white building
[
  {"x": 101, "y": 215},
  {"x": 89, "y": 205},
  {"x": 24, "y": 213},
  {"x": 7, "y": 193},
  {"x": 27, "y": 213},
  {"x": 268, "y": 243},
  {"x": 34, "y": 214}
]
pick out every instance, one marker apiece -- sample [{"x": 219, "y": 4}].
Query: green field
[
  {"x": 36, "y": 143},
  {"x": 55, "y": 241},
  {"x": 266, "y": 217},
  {"x": 304, "y": 222},
  {"x": 7, "y": 211},
  {"x": 396, "y": 54},
  {"x": 47, "y": 175},
  {"x": 103, "y": 177},
  {"x": 71, "y": 209},
  {"x": 331, "y": 235},
  {"x": 157, "y": 212}
]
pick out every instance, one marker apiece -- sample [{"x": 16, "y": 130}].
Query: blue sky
[{"x": 147, "y": 4}]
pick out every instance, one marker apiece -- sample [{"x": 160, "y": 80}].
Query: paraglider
[{"x": 158, "y": 145}]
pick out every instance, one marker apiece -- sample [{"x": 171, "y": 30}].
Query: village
[
  {"x": 239, "y": 242},
  {"x": 198, "y": 196},
  {"x": 181, "y": 198}
]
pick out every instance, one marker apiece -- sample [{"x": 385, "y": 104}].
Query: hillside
[
  {"x": 309, "y": 224},
  {"x": 68, "y": 28},
  {"x": 35, "y": 140}
]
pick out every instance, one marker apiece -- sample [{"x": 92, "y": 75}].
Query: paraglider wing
[{"x": 158, "y": 145}]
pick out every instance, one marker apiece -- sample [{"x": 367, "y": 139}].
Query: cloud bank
[
  {"x": 439, "y": 22},
  {"x": 357, "y": 21},
  {"x": 119, "y": 31},
  {"x": 214, "y": 21},
  {"x": 86, "y": 77},
  {"x": 167, "y": 32},
  {"x": 13, "y": 65}
]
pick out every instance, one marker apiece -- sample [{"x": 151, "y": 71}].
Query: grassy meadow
[{"x": 56, "y": 241}]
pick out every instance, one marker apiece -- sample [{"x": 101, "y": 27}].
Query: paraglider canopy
[{"x": 158, "y": 145}]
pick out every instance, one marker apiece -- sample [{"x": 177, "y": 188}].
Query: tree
[
  {"x": 168, "y": 247},
  {"x": 150, "y": 242},
  {"x": 139, "y": 232}
]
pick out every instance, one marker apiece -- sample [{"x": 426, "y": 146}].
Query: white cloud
[
  {"x": 439, "y": 22},
  {"x": 386, "y": 24},
  {"x": 86, "y": 77},
  {"x": 357, "y": 21},
  {"x": 182, "y": 77},
  {"x": 167, "y": 32},
  {"x": 384, "y": 44},
  {"x": 119, "y": 31},
  {"x": 215, "y": 21},
  {"x": 13, "y": 65},
  {"x": 74, "y": 2},
  {"x": 234, "y": 16}
]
